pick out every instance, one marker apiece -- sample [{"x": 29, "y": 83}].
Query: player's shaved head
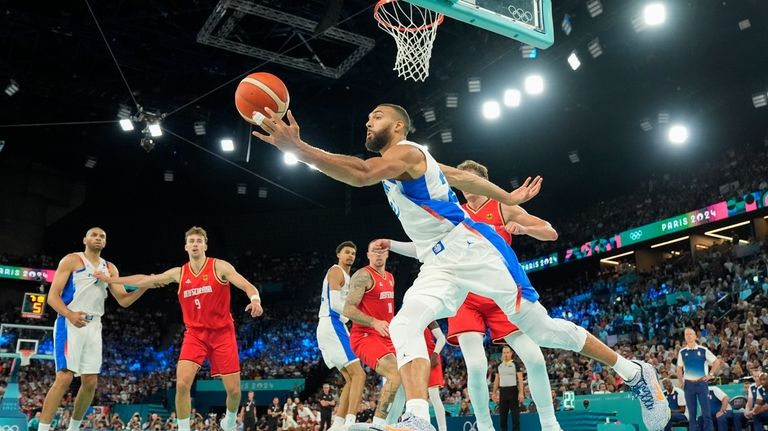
[{"x": 95, "y": 229}]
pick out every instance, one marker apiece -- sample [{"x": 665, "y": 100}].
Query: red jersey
[
  {"x": 490, "y": 213},
  {"x": 204, "y": 298},
  {"x": 378, "y": 301}
]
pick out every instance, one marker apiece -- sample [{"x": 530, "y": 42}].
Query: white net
[
  {"x": 414, "y": 29},
  {"x": 25, "y": 356}
]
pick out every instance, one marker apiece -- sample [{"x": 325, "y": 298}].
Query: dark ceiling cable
[
  {"x": 112, "y": 54},
  {"x": 262, "y": 64},
  {"x": 243, "y": 168},
  {"x": 66, "y": 123}
]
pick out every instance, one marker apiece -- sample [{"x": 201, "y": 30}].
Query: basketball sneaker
[
  {"x": 645, "y": 385},
  {"x": 410, "y": 422},
  {"x": 232, "y": 428}
]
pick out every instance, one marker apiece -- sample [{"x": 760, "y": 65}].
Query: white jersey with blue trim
[
  {"x": 84, "y": 292},
  {"x": 325, "y": 298},
  {"x": 426, "y": 206}
]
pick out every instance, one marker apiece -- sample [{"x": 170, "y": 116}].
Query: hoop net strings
[{"x": 414, "y": 30}]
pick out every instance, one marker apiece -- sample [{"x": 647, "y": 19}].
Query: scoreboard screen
[{"x": 33, "y": 306}]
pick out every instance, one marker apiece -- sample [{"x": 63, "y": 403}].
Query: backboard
[{"x": 529, "y": 21}]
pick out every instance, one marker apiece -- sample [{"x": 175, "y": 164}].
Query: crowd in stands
[{"x": 662, "y": 196}]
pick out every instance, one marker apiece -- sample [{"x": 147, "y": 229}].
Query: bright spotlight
[
  {"x": 126, "y": 124},
  {"x": 491, "y": 110},
  {"x": 573, "y": 61},
  {"x": 534, "y": 84},
  {"x": 155, "y": 130},
  {"x": 678, "y": 134},
  {"x": 227, "y": 145},
  {"x": 655, "y": 14},
  {"x": 512, "y": 98},
  {"x": 290, "y": 159}
]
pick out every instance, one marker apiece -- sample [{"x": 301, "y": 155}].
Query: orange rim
[{"x": 377, "y": 16}]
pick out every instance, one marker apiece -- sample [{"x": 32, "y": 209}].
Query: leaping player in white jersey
[
  {"x": 78, "y": 297},
  {"x": 333, "y": 336},
  {"x": 458, "y": 255}
]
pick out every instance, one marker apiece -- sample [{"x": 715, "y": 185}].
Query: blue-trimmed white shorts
[
  {"x": 77, "y": 349},
  {"x": 333, "y": 340}
]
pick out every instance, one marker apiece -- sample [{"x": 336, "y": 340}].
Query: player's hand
[
  {"x": 103, "y": 276},
  {"x": 254, "y": 308},
  {"x": 515, "y": 228},
  {"x": 520, "y": 397},
  {"x": 381, "y": 244},
  {"x": 381, "y": 327},
  {"x": 527, "y": 191},
  {"x": 283, "y": 136},
  {"x": 433, "y": 362},
  {"x": 77, "y": 318}
]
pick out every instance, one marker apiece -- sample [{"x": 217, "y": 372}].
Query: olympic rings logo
[
  {"x": 470, "y": 426},
  {"x": 634, "y": 236},
  {"x": 9, "y": 428},
  {"x": 519, "y": 14}
]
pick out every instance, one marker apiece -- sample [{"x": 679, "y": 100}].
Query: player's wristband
[{"x": 255, "y": 297}]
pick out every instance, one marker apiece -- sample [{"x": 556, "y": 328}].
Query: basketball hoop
[
  {"x": 26, "y": 356},
  {"x": 414, "y": 29}
]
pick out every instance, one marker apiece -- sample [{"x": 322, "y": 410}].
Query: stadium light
[
  {"x": 126, "y": 124},
  {"x": 534, "y": 84},
  {"x": 290, "y": 159},
  {"x": 610, "y": 261},
  {"x": 573, "y": 61},
  {"x": 654, "y": 14},
  {"x": 473, "y": 85},
  {"x": 242, "y": 188},
  {"x": 678, "y": 134},
  {"x": 760, "y": 99},
  {"x": 429, "y": 114},
  {"x": 227, "y": 145},
  {"x": 199, "y": 128},
  {"x": 451, "y": 100},
  {"x": 12, "y": 88},
  {"x": 671, "y": 241},
  {"x": 168, "y": 176},
  {"x": 155, "y": 130},
  {"x": 512, "y": 98},
  {"x": 90, "y": 162},
  {"x": 595, "y": 48},
  {"x": 491, "y": 110}
]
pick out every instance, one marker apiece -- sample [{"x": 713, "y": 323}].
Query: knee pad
[
  {"x": 557, "y": 334},
  {"x": 407, "y": 339}
]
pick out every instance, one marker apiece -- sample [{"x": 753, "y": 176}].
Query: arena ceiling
[{"x": 699, "y": 67}]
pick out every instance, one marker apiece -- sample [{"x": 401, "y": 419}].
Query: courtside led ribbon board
[
  {"x": 33, "y": 274},
  {"x": 712, "y": 213}
]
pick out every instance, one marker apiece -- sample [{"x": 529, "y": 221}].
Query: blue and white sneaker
[
  {"x": 409, "y": 422},
  {"x": 646, "y": 387}
]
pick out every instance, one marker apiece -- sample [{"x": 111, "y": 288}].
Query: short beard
[{"x": 377, "y": 142}]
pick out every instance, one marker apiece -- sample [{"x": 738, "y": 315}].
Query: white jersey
[
  {"x": 325, "y": 298},
  {"x": 84, "y": 292},
  {"x": 426, "y": 206}
]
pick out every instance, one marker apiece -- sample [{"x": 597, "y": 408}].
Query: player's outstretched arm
[
  {"x": 402, "y": 248},
  {"x": 143, "y": 280},
  {"x": 124, "y": 298},
  {"x": 67, "y": 265},
  {"x": 348, "y": 169},
  {"x": 227, "y": 272},
  {"x": 468, "y": 182},
  {"x": 520, "y": 222},
  {"x": 360, "y": 282}
]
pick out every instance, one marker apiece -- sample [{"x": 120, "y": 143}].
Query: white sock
[
  {"x": 43, "y": 427},
  {"x": 418, "y": 408},
  {"x": 337, "y": 421},
  {"x": 625, "y": 368},
  {"x": 183, "y": 424},
  {"x": 74, "y": 425},
  {"x": 350, "y": 419},
  {"x": 229, "y": 420},
  {"x": 396, "y": 408},
  {"x": 437, "y": 404},
  {"x": 379, "y": 421}
]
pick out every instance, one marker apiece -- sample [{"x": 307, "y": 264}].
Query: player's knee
[
  {"x": 64, "y": 378},
  {"x": 233, "y": 392},
  {"x": 477, "y": 368},
  {"x": 89, "y": 382},
  {"x": 183, "y": 384},
  {"x": 400, "y": 331}
]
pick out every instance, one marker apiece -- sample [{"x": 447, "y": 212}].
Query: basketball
[{"x": 258, "y": 91}]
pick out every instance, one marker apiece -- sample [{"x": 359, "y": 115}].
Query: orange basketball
[{"x": 258, "y": 91}]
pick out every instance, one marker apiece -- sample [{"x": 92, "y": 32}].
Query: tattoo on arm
[{"x": 360, "y": 282}]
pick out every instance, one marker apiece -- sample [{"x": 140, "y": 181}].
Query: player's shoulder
[{"x": 71, "y": 260}]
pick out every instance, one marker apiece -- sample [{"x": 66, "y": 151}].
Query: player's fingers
[
  {"x": 527, "y": 182},
  {"x": 291, "y": 120},
  {"x": 265, "y": 138}
]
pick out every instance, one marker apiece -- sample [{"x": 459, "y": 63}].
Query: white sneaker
[{"x": 646, "y": 387}]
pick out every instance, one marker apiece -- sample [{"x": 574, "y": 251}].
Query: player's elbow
[{"x": 553, "y": 235}]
